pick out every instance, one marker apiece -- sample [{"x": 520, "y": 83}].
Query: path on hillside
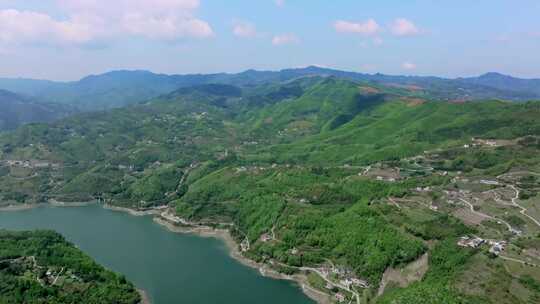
[
  {"x": 523, "y": 209},
  {"x": 471, "y": 206},
  {"x": 518, "y": 261}
]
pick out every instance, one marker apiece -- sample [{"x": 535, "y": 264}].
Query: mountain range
[
  {"x": 120, "y": 88},
  {"x": 311, "y": 172}
]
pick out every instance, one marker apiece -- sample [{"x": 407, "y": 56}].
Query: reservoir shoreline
[
  {"x": 225, "y": 236},
  {"x": 201, "y": 231}
]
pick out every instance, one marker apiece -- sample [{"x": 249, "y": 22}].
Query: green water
[{"x": 172, "y": 268}]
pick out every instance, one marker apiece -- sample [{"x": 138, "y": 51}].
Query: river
[{"x": 172, "y": 268}]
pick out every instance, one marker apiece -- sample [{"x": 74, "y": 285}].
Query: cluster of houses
[
  {"x": 423, "y": 189},
  {"x": 345, "y": 277},
  {"x": 473, "y": 242},
  {"x": 244, "y": 245},
  {"x": 31, "y": 164},
  {"x": 496, "y": 246},
  {"x": 386, "y": 179},
  {"x": 482, "y": 142},
  {"x": 340, "y": 297},
  {"x": 489, "y": 182},
  {"x": 350, "y": 282},
  {"x": 250, "y": 169},
  {"x": 346, "y": 280}
]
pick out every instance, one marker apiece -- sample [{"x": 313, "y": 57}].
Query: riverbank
[
  {"x": 51, "y": 203},
  {"x": 144, "y": 297},
  {"x": 55, "y": 203},
  {"x": 234, "y": 251},
  {"x": 131, "y": 211},
  {"x": 11, "y": 208},
  {"x": 200, "y": 231}
]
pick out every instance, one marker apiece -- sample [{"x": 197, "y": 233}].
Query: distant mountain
[
  {"x": 120, "y": 88},
  {"x": 16, "y": 110},
  {"x": 505, "y": 82},
  {"x": 309, "y": 171}
]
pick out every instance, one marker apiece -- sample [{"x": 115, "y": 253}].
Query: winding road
[{"x": 523, "y": 209}]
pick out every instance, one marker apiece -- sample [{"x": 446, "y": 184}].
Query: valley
[{"x": 338, "y": 184}]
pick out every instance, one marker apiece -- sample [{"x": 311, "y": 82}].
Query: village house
[
  {"x": 516, "y": 231},
  {"x": 489, "y": 182},
  {"x": 340, "y": 297},
  {"x": 346, "y": 282},
  {"x": 360, "y": 283},
  {"x": 497, "y": 247},
  {"x": 241, "y": 169},
  {"x": 466, "y": 241},
  {"x": 266, "y": 237},
  {"x": 338, "y": 271},
  {"x": 244, "y": 246}
]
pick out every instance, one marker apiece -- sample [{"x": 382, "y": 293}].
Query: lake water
[{"x": 172, "y": 268}]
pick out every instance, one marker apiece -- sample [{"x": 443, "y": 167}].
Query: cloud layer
[
  {"x": 404, "y": 27},
  {"x": 367, "y": 28},
  {"x": 408, "y": 66},
  {"x": 244, "y": 29},
  {"x": 285, "y": 39},
  {"x": 399, "y": 27},
  {"x": 90, "y": 21}
]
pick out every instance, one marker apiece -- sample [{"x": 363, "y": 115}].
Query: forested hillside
[
  {"x": 42, "y": 267},
  {"x": 343, "y": 181}
]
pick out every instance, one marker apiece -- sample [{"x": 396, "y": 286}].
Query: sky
[{"x": 69, "y": 39}]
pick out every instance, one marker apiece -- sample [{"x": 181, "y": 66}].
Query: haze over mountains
[
  {"x": 309, "y": 172},
  {"x": 16, "y": 110},
  {"x": 120, "y": 88}
]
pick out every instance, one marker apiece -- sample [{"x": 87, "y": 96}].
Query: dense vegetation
[
  {"x": 281, "y": 165},
  {"x": 41, "y": 267}
]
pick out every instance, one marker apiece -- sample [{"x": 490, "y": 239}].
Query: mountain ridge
[{"x": 123, "y": 87}]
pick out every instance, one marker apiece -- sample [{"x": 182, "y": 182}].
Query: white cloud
[
  {"x": 244, "y": 29},
  {"x": 30, "y": 27},
  {"x": 285, "y": 39},
  {"x": 367, "y": 28},
  {"x": 408, "y": 66},
  {"x": 167, "y": 27},
  {"x": 93, "y": 20},
  {"x": 280, "y": 3},
  {"x": 404, "y": 27}
]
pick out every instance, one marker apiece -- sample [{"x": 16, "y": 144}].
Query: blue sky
[{"x": 67, "y": 39}]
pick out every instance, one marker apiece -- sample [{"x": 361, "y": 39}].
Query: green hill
[
  {"x": 120, "y": 88},
  {"x": 309, "y": 172},
  {"x": 32, "y": 263}
]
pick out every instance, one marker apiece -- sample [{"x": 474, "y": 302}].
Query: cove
[{"x": 172, "y": 268}]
